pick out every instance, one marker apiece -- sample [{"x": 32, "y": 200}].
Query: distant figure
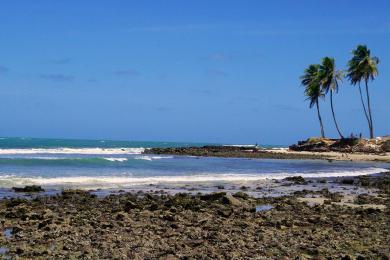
[
  {"x": 352, "y": 136},
  {"x": 360, "y": 136}
]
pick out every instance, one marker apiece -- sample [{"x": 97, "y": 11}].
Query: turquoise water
[
  {"x": 19, "y": 142},
  {"x": 59, "y": 163}
]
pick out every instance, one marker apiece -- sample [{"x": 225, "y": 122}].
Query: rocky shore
[
  {"x": 312, "y": 149},
  {"x": 232, "y": 151},
  {"x": 307, "y": 224},
  {"x": 379, "y": 145}
]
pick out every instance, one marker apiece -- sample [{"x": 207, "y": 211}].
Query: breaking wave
[
  {"x": 151, "y": 158},
  {"x": 66, "y": 150}
]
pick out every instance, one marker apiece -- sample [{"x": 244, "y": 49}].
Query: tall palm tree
[
  {"x": 363, "y": 67},
  {"x": 329, "y": 80},
  {"x": 313, "y": 90}
]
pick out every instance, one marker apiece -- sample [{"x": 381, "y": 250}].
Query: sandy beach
[{"x": 382, "y": 157}]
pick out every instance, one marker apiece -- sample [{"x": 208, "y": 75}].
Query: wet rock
[
  {"x": 169, "y": 257},
  {"x": 369, "y": 211},
  {"x": 347, "y": 181},
  {"x": 18, "y": 212},
  {"x": 295, "y": 179},
  {"x": 129, "y": 205},
  {"x": 213, "y": 196},
  {"x": 227, "y": 151},
  {"x": 332, "y": 196},
  {"x": 76, "y": 194},
  {"x": 44, "y": 223},
  {"x": 153, "y": 207},
  {"x": 185, "y": 226},
  {"x": 168, "y": 217},
  {"x": 15, "y": 202},
  {"x": 224, "y": 211},
  {"x": 362, "y": 199},
  {"x": 241, "y": 195},
  {"x": 32, "y": 188},
  {"x": 229, "y": 199}
]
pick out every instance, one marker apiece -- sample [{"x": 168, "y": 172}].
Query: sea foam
[
  {"x": 151, "y": 158},
  {"x": 73, "y": 151},
  {"x": 115, "y": 159}
]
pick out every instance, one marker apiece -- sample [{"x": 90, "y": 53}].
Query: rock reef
[
  {"x": 78, "y": 224},
  {"x": 230, "y": 151}
]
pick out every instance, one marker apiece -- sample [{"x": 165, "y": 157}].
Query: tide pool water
[{"x": 58, "y": 163}]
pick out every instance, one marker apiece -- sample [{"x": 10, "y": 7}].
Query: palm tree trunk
[
  {"x": 364, "y": 106},
  {"x": 369, "y": 111},
  {"x": 334, "y": 117},
  {"x": 320, "y": 119}
]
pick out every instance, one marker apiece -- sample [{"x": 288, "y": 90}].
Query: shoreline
[
  {"x": 269, "y": 187},
  {"x": 257, "y": 153},
  {"x": 315, "y": 217},
  {"x": 339, "y": 156}
]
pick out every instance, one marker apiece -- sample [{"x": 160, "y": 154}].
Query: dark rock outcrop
[
  {"x": 345, "y": 145},
  {"x": 32, "y": 188},
  {"x": 295, "y": 179},
  {"x": 75, "y": 225},
  {"x": 229, "y": 151}
]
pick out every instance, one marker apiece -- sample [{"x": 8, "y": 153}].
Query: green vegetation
[
  {"x": 322, "y": 79},
  {"x": 329, "y": 79},
  {"x": 363, "y": 67},
  {"x": 313, "y": 90}
]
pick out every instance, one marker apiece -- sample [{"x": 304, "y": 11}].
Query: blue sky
[{"x": 200, "y": 71}]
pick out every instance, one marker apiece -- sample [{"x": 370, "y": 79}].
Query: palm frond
[{"x": 362, "y": 66}]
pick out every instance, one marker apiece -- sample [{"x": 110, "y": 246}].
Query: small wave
[
  {"x": 35, "y": 158},
  {"x": 151, "y": 158},
  {"x": 115, "y": 159},
  {"x": 56, "y": 161},
  {"x": 65, "y": 150},
  {"x": 240, "y": 145}
]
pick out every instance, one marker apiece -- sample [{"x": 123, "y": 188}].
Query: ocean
[{"x": 60, "y": 163}]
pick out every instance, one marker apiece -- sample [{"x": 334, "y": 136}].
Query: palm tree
[
  {"x": 329, "y": 80},
  {"x": 313, "y": 90},
  {"x": 363, "y": 67}
]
